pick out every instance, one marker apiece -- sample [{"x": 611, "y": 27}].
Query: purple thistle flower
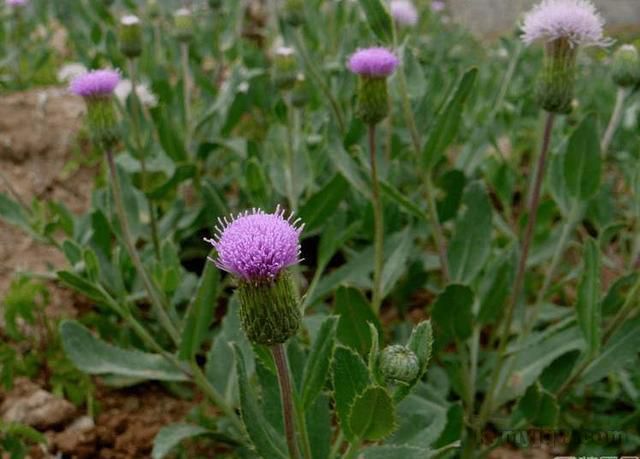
[
  {"x": 97, "y": 83},
  {"x": 576, "y": 21},
  {"x": 257, "y": 246},
  {"x": 16, "y": 3},
  {"x": 438, "y": 5},
  {"x": 404, "y": 12},
  {"x": 373, "y": 62}
]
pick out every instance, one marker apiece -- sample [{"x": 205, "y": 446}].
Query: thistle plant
[
  {"x": 373, "y": 66},
  {"x": 257, "y": 248},
  {"x": 563, "y": 26}
]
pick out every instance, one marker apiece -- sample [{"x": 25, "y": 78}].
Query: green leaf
[
  {"x": 200, "y": 312},
  {"x": 350, "y": 378},
  {"x": 355, "y": 312},
  {"x": 183, "y": 172},
  {"x": 321, "y": 206},
  {"x": 318, "y": 362},
  {"x": 96, "y": 357},
  {"x": 447, "y": 122},
  {"x": 421, "y": 343},
  {"x": 263, "y": 436},
  {"x": 170, "y": 436},
  {"x": 539, "y": 407},
  {"x": 395, "y": 452},
  {"x": 471, "y": 242},
  {"x": 404, "y": 202},
  {"x": 589, "y": 306},
  {"x": 582, "y": 162},
  {"x": 452, "y": 311},
  {"x": 621, "y": 349},
  {"x": 256, "y": 181},
  {"x": 396, "y": 264},
  {"x": 81, "y": 285},
  {"x": 378, "y": 19},
  {"x": 372, "y": 414},
  {"x": 13, "y": 213},
  {"x": 497, "y": 291}
]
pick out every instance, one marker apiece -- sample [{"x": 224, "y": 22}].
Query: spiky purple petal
[
  {"x": 373, "y": 62},
  {"x": 97, "y": 83}
]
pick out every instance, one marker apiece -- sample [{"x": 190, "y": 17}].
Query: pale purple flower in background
[
  {"x": 70, "y": 71},
  {"x": 16, "y": 3},
  {"x": 404, "y": 12},
  {"x": 97, "y": 83},
  {"x": 256, "y": 246},
  {"x": 438, "y": 6},
  {"x": 576, "y": 21},
  {"x": 373, "y": 62}
]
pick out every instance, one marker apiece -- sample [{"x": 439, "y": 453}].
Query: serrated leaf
[
  {"x": 200, "y": 312},
  {"x": 452, "y": 311},
  {"x": 471, "y": 242},
  {"x": 319, "y": 361},
  {"x": 447, "y": 122},
  {"x": 582, "y": 162},
  {"x": 171, "y": 436},
  {"x": 355, "y": 313},
  {"x": 350, "y": 378},
  {"x": 96, "y": 357},
  {"x": 378, "y": 19},
  {"x": 372, "y": 415},
  {"x": 588, "y": 307},
  {"x": 263, "y": 436}
]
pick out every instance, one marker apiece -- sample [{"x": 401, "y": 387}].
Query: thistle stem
[
  {"x": 378, "y": 224},
  {"x": 155, "y": 298},
  {"x": 614, "y": 122},
  {"x": 286, "y": 396},
  {"x": 137, "y": 134},
  {"x": 487, "y": 405}
]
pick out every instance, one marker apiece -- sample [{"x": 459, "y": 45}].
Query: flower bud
[
  {"x": 269, "y": 311},
  {"x": 626, "y": 66},
  {"x": 285, "y": 68},
  {"x": 373, "y": 65},
  {"x": 557, "y": 81},
  {"x": 130, "y": 35},
  {"x": 183, "y": 22},
  {"x": 102, "y": 121},
  {"x": 153, "y": 9},
  {"x": 293, "y": 12},
  {"x": 299, "y": 93},
  {"x": 398, "y": 363}
]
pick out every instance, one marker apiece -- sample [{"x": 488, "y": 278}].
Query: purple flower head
[
  {"x": 16, "y": 3},
  {"x": 438, "y": 5},
  {"x": 574, "y": 20},
  {"x": 256, "y": 246},
  {"x": 373, "y": 62},
  {"x": 404, "y": 12},
  {"x": 97, "y": 83}
]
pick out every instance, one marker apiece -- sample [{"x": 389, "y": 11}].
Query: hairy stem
[
  {"x": 137, "y": 134},
  {"x": 614, "y": 121},
  {"x": 487, "y": 405},
  {"x": 378, "y": 224},
  {"x": 156, "y": 301},
  {"x": 286, "y": 396}
]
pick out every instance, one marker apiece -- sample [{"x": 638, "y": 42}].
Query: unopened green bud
[
  {"x": 130, "y": 35},
  {"x": 299, "y": 93},
  {"x": 269, "y": 310},
  {"x": 557, "y": 81},
  {"x": 102, "y": 121},
  {"x": 293, "y": 12},
  {"x": 153, "y": 9},
  {"x": 285, "y": 68},
  {"x": 399, "y": 364},
  {"x": 373, "y": 99},
  {"x": 626, "y": 66},
  {"x": 183, "y": 21}
]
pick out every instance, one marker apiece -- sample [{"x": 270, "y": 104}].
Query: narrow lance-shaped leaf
[
  {"x": 582, "y": 162},
  {"x": 379, "y": 19},
  {"x": 319, "y": 361},
  {"x": 589, "y": 305},
  {"x": 447, "y": 122},
  {"x": 170, "y": 436}
]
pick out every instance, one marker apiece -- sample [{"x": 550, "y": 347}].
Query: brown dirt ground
[{"x": 37, "y": 134}]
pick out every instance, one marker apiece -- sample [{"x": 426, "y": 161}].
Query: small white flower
[
  {"x": 69, "y": 71},
  {"x": 145, "y": 95},
  {"x": 129, "y": 20}
]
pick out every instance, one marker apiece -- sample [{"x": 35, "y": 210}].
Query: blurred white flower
[
  {"x": 69, "y": 71},
  {"x": 145, "y": 95}
]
